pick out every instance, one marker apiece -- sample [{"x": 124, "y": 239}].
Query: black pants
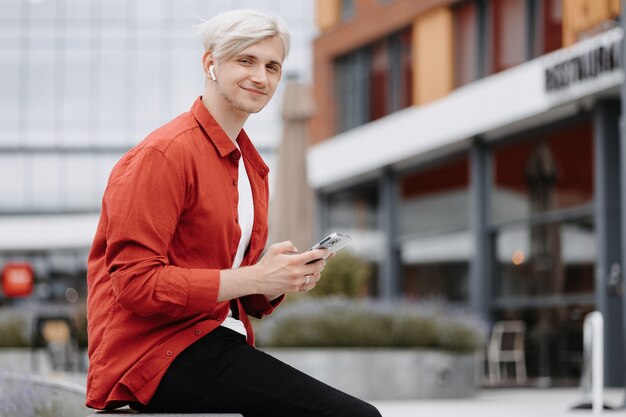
[{"x": 221, "y": 373}]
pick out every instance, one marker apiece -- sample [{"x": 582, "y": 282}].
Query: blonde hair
[{"x": 229, "y": 33}]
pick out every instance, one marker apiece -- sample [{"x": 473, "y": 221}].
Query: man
[{"x": 174, "y": 269}]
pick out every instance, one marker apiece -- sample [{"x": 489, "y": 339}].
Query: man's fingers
[
  {"x": 284, "y": 247},
  {"x": 314, "y": 255}
]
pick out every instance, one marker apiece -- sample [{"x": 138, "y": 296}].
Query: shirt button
[
  {"x": 169, "y": 353},
  {"x": 235, "y": 155},
  {"x": 235, "y": 183},
  {"x": 197, "y": 332},
  {"x": 237, "y": 220}
]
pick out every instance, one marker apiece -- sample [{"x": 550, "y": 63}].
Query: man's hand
[{"x": 280, "y": 271}]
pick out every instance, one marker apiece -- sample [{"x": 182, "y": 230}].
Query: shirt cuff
[
  {"x": 202, "y": 290},
  {"x": 257, "y": 305}
]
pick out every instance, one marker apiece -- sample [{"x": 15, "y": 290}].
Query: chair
[{"x": 506, "y": 345}]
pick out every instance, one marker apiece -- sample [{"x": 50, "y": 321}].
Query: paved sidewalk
[
  {"x": 490, "y": 402},
  {"x": 505, "y": 402}
]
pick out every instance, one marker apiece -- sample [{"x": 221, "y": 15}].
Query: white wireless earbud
[{"x": 212, "y": 72}]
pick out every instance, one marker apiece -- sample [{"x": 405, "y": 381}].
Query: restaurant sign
[{"x": 585, "y": 63}]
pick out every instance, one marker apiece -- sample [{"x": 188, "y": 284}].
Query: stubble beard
[{"x": 238, "y": 106}]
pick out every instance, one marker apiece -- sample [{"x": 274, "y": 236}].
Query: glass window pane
[
  {"x": 76, "y": 11},
  {"x": 80, "y": 190},
  {"x": 146, "y": 81},
  {"x": 509, "y": 33},
  {"x": 406, "y": 65},
  {"x": 149, "y": 10},
  {"x": 552, "y": 259},
  {"x": 47, "y": 178},
  {"x": 379, "y": 80},
  {"x": 437, "y": 266},
  {"x": 466, "y": 43},
  {"x": 40, "y": 10},
  {"x": 549, "y": 172},
  {"x": 355, "y": 211},
  {"x": 114, "y": 12},
  {"x": 41, "y": 84},
  {"x": 104, "y": 165},
  {"x": 113, "y": 94},
  {"x": 435, "y": 199},
  {"x": 11, "y": 10},
  {"x": 552, "y": 14},
  {"x": 10, "y": 84},
  {"x": 10, "y": 133},
  {"x": 12, "y": 181},
  {"x": 78, "y": 94},
  {"x": 188, "y": 77},
  {"x": 352, "y": 89}
]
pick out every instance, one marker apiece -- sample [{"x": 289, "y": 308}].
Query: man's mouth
[{"x": 255, "y": 90}]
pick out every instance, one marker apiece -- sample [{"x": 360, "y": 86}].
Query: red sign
[{"x": 17, "y": 280}]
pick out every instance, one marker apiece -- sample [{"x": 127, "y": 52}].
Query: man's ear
[{"x": 207, "y": 62}]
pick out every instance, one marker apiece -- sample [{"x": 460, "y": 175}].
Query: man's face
[{"x": 248, "y": 80}]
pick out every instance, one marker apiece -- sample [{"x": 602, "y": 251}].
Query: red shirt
[{"x": 168, "y": 226}]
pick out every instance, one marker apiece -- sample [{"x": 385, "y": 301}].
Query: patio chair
[{"x": 506, "y": 346}]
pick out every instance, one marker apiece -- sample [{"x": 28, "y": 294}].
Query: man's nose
[{"x": 259, "y": 75}]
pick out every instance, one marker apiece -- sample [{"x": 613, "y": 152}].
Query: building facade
[
  {"x": 82, "y": 82},
  {"x": 472, "y": 148}
]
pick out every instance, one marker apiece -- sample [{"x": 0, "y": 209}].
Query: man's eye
[{"x": 245, "y": 61}]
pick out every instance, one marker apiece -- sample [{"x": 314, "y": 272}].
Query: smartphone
[{"x": 332, "y": 242}]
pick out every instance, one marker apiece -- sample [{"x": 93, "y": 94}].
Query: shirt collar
[{"x": 222, "y": 142}]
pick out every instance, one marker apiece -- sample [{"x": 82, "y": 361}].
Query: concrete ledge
[
  {"x": 36, "y": 395},
  {"x": 380, "y": 374}
]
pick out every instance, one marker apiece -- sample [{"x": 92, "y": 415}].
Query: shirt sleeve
[
  {"x": 257, "y": 305},
  {"x": 143, "y": 203}
]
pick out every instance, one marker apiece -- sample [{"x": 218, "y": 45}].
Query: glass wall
[
  {"x": 509, "y": 33},
  {"x": 491, "y": 36},
  {"x": 545, "y": 243},
  {"x": 83, "y": 81},
  {"x": 545, "y": 262},
  {"x": 355, "y": 211},
  {"x": 549, "y": 33},
  {"x": 433, "y": 229},
  {"x": 466, "y": 42},
  {"x": 547, "y": 172},
  {"x": 374, "y": 81}
]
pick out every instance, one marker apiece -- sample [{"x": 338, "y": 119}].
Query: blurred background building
[
  {"x": 82, "y": 82},
  {"x": 471, "y": 148}
]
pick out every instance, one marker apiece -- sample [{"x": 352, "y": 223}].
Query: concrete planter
[
  {"x": 34, "y": 395},
  {"x": 387, "y": 374}
]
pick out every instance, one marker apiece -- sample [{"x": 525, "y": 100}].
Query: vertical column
[
  {"x": 480, "y": 271},
  {"x": 389, "y": 271},
  {"x": 321, "y": 219},
  {"x": 607, "y": 221},
  {"x": 622, "y": 174}
]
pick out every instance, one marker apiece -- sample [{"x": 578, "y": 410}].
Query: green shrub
[
  {"x": 346, "y": 275},
  {"x": 339, "y": 322},
  {"x": 13, "y": 332}
]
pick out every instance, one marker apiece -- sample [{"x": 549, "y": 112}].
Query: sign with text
[
  {"x": 17, "y": 280},
  {"x": 589, "y": 66}
]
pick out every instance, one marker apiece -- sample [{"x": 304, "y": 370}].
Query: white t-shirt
[{"x": 245, "y": 212}]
